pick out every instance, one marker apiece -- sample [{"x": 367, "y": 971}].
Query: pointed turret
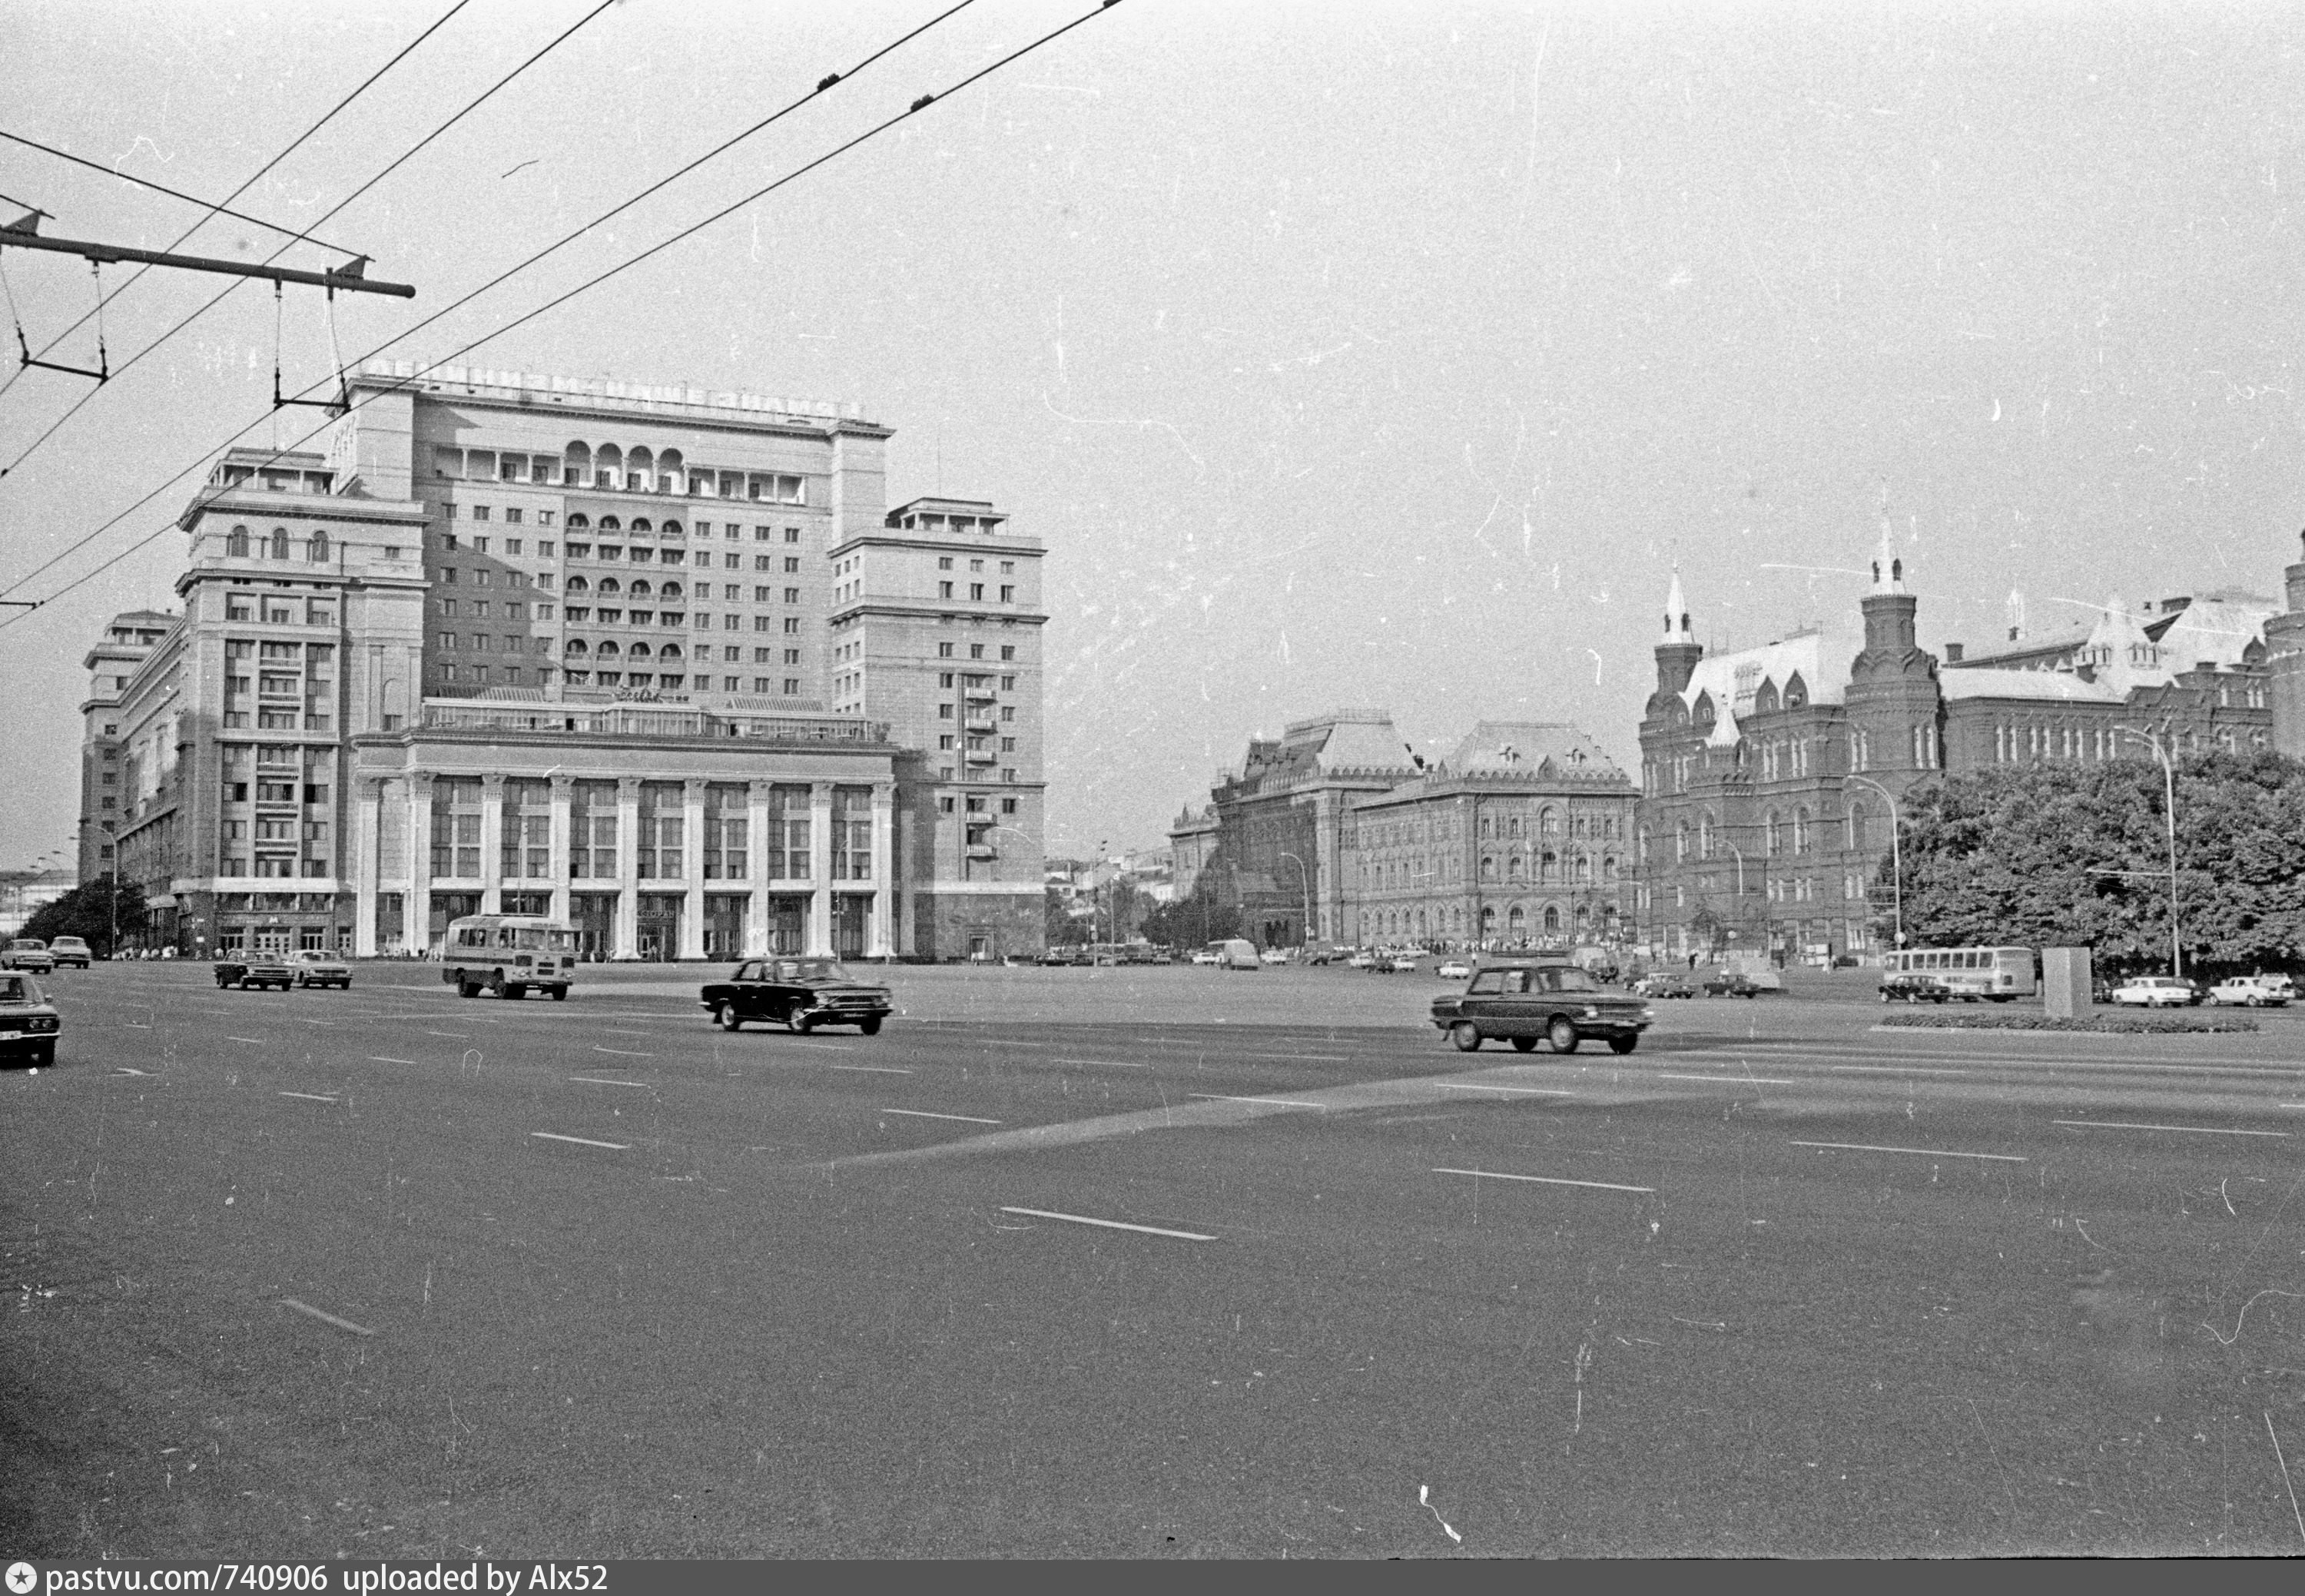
[
  {"x": 1676, "y": 610},
  {"x": 1677, "y": 654},
  {"x": 1888, "y": 571}
]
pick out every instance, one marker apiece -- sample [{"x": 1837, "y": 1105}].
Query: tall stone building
[{"x": 657, "y": 660}]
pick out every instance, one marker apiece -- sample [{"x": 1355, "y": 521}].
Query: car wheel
[
  {"x": 1466, "y": 1036},
  {"x": 726, "y": 1018},
  {"x": 871, "y": 1028},
  {"x": 796, "y": 1023},
  {"x": 1623, "y": 1043},
  {"x": 1562, "y": 1034},
  {"x": 560, "y": 994},
  {"x": 468, "y": 989},
  {"x": 1524, "y": 1044}
]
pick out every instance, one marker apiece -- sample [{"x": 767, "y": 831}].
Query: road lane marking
[
  {"x": 452, "y": 1036},
  {"x": 585, "y": 1141},
  {"x": 1317, "y": 1058},
  {"x": 1731, "y": 1079},
  {"x": 124, "y": 1070},
  {"x": 601, "y": 1081},
  {"x": 621, "y": 1052},
  {"x": 377, "y": 1058},
  {"x": 1148, "y": 1230},
  {"x": 1860, "y": 1146},
  {"x": 1532, "y": 1091},
  {"x": 326, "y": 1318},
  {"x": 869, "y": 1068},
  {"x": 329, "y": 1024},
  {"x": 922, "y": 1114},
  {"x": 251, "y": 1041},
  {"x": 1895, "y": 1070},
  {"x": 1543, "y": 1180},
  {"x": 2189, "y": 1130},
  {"x": 308, "y": 1097},
  {"x": 1102, "y": 1064},
  {"x": 1274, "y": 1102},
  {"x": 610, "y": 1030}
]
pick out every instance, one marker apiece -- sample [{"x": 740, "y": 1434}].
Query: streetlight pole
[
  {"x": 2169, "y": 794},
  {"x": 1305, "y": 939},
  {"x": 1896, "y": 854}
]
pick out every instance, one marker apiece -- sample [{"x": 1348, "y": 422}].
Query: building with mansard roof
[
  {"x": 1771, "y": 776},
  {"x": 657, "y": 660}
]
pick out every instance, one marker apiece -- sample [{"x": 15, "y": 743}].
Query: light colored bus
[
  {"x": 1997, "y": 975},
  {"x": 509, "y": 955}
]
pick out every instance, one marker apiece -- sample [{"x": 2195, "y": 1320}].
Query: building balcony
[
  {"x": 983, "y": 725},
  {"x": 983, "y": 695},
  {"x": 982, "y": 851},
  {"x": 981, "y": 756}
]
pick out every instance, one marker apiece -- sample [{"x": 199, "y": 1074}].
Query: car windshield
[
  {"x": 15, "y": 989},
  {"x": 805, "y": 969}
]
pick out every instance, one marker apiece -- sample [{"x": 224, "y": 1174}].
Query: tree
[
  {"x": 87, "y": 912},
  {"x": 1188, "y": 922},
  {"x": 2077, "y": 856},
  {"x": 1062, "y": 929}
]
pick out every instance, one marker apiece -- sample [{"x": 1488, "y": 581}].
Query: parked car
[
  {"x": 1207, "y": 956},
  {"x": 2156, "y": 992},
  {"x": 1327, "y": 956},
  {"x": 798, "y": 993},
  {"x": 1733, "y": 983},
  {"x": 246, "y": 970},
  {"x": 1522, "y": 1001},
  {"x": 1361, "y": 959},
  {"x": 2251, "y": 992},
  {"x": 1914, "y": 987},
  {"x": 29, "y": 1022},
  {"x": 27, "y": 952},
  {"x": 1274, "y": 955},
  {"x": 1454, "y": 970},
  {"x": 314, "y": 968},
  {"x": 1403, "y": 962},
  {"x": 70, "y": 949},
  {"x": 1662, "y": 984}
]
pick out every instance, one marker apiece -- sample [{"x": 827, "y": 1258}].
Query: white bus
[
  {"x": 509, "y": 955},
  {"x": 1998, "y": 974}
]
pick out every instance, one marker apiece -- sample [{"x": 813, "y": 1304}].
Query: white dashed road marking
[
  {"x": 622, "y": 1052},
  {"x": 601, "y": 1081},
  {"x": 1100, "y": 1063},
  {"x": 1731, "y": 1079},
  {"x": 326, "y": 1318},
  {"x": 922, "y": 1114},
  {"x": 251, "y": 1041},
  {"x": 584, "y": 1142},
  {"x": 1895, "y": 1070},
  {"x": 1543, "y": 1179},
  {"x": 1527, "y": 1091},
  {"x": 1274, "y": 1102},
  {"x": 308, "y": 1097},
  {"x": 377, "y": 1058},
  {"x": 869, "y": 1068},
  {"x": 2189, "y": 1130},
  {"x": 1148, "y": 1230},
  {"x": 1858, "y": 1147}
]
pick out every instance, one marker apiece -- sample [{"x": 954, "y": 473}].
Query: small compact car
[
  {"x": 70, "y": 949},
  {"x": 1454, "y": 970},
  {"x": 798, "y": 993},
  {"x": 246, "y": 970},
  {"x": 314, "y": 968},
  {"x": 27, "y": 952},
  {"x": 1913, "y": 986},
  {"x": 2156, "y": 992},
  {"x": 1662, "y": 984},
  {"x": 1274, "y": 956},
  {"x": 28, "y": 1022},
  {"x": 1731, "y": 984},
  {"x": 1522, "y": 1001},
  {"x": 2249, "y": 992}
]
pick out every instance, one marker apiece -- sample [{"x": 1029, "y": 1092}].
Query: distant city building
[
  {"x": 1519, "y": 837},
  {"x": 23, "y": 893},
  {"x": 684, "y": 681},
  {"x": 1771, "y": 776}
]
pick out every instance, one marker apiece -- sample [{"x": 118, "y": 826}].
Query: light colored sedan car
[
  {"x": 1454, "y": 970},
  {"x": 2156, "y": 992},
  {"x": 314, "y": 968},
  {"x": 2249, "y": 992}
]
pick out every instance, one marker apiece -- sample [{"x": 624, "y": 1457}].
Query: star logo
[{"x": 21, "y": 1578}]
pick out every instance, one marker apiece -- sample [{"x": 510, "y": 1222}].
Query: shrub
[{"x": 2116, "y": 1024}]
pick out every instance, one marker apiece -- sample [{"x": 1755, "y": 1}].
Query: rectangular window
[
  {"x": 944, "y": 712},
  {"x": 1008, "y": 594},
  {"x": 944, "y": 591},
  {"x": 975, "y": 592},
  {"x": 512, "y": 517},
  {"x": 792, "y": 686},
  {"x": 792, "y": 595},
  {"x": 792, "y": 624}
]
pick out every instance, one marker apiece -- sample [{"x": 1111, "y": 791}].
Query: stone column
[
  {"x": 818, "y": 935},
  {"x": 760, "y": 846},
  {"x": 627, "y": 939},
  {"x": 563, "y": 792},
  {"x": 417, "y": 928},
  {"x": 492, "y": 785},
  {"x": 882, "y": 946},
  {"x": 692, "y": 870},
  {"x": 364, "y": 865}
]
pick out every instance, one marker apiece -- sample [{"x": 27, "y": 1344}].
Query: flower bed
[{"x": 2136, "y": 1024}]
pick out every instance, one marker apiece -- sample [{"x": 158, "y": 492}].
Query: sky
[{"x": 1383, "y": 354}]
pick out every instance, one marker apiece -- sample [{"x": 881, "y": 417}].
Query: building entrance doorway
[
  {"x": 658, "y": 940},
  {"x": 724, "y": 926},
  {"x": 594, "y": 916},
  {"x": 788, "y": 926},
  {"x": 852, "y": 918},
  {"x": 271, "y": 939}
]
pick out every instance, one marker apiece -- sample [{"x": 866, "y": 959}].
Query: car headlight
[
  {"x": 1591, "y": 1012},
  {"x": 1648, "y": 1013}
]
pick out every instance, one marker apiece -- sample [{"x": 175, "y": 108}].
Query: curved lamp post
[
  {"x": 1305, "y": 940},
  {"x": 1896, "y": 854}
]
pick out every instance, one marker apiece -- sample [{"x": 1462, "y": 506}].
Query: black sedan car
[
  {"x": 797, "y": 993},
  {"x": 1521, "y": 1003},
  {"x": 28, "y": 1022},
  {"x": 1731, "y": 984},
  {"x": 1914, "y": 987}
]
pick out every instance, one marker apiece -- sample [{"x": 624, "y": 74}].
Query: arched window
[
  {"x": 1856, "y": 826},
  {"x": 670, "y": 590},
  {"x": 640, "y": 588},
  {"x": 1518, "y": 919},
  {"x": 1796, "y": 692},
  {"x": 638, "y": 651},
  {"x": 609, "y": 584},
  {"x": 580, "y": 522},
  {"x": 1488, "y": 867},
  {"x": 640, "y": 524},
  {"x": 672, "y": 471},
  {"x": 316, "y": 548},
  {"x": 1705, "y": 837},
  {"x": 1772, "y": 834},
  {"x": 1513, "y": 868},
  {"x": 610, "y": 523},
  {"x": 670, "y": 529},
  {"x": 608, "y": 648},
  {"x": 576, "y": 645},
  {"x": 576, "y": 465},
  {"x": 1641, "y": 846},
  {"x": 609, "y": 466},
  {"x": 1680, "y": 841},
  {"x": 235, "y": 543},
  {"x": 277, "y": 546},
  {"x": 640, "y": 471},
  {"x": 1551, "y": 918},
  {"x": 1800, "y": 831},
  {"x": 1551, "y": 822},
  {"x": 1609, "y": 866},
  {"x": 1488, "y": 917},
  {"x": 578, "y": 585}
]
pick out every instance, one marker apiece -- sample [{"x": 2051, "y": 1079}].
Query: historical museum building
[
  {"x": 657, "y": 660},
  {"x": 1771, "y": 776},
  {"x": 1335, "y": 833}
]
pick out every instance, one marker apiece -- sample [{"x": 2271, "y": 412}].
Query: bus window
[{"x": 471, "y": 937}]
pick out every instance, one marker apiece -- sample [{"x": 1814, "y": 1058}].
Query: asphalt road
[{"x": 388, "y": 1273}]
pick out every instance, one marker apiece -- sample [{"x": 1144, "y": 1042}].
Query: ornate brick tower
[
  {"x": 1894, "y": 706},
  {"x": 1677, "y": 654},
  {"x": 2284, "y": 647}
]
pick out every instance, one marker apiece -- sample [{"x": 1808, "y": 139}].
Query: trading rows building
[{"x": 657, "y": 660}]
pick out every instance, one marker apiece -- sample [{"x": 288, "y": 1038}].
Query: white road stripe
[
  {"x": 1317, "y": 1058},
  {"x": 585, "y": 1141},
  {"x": 1274, "y": 1102},
  {"x": 1542, "y": 1180},
  {"x": 1532, "y": 1091},
  {"x": 377, "y": 1058},
  {"x": 452, "y": 1036},
  {"x": 1149, "y": 1229},
  {"x": 308, "y": 1097},
  {"x": 598, "y": 1080},
  {"x": 922, "y": 1114},
  {"x": 2189, "y": 1130},
  {"x": 124, "y": 1070},
  {"x": 1102, "y": 1064},
  {"x": 610, "y": 1030},
  {"x": 1895, "y": 1070},
  {"x": 1860, "y": 1146},
  {"x": 622, "y": 1052},
  {"x": 869, "y": 1068},
  {"x": 326, "y": 1318},
  {"x": 251, "y": 1041},
  {"x": 1731, "y": 1079}
]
